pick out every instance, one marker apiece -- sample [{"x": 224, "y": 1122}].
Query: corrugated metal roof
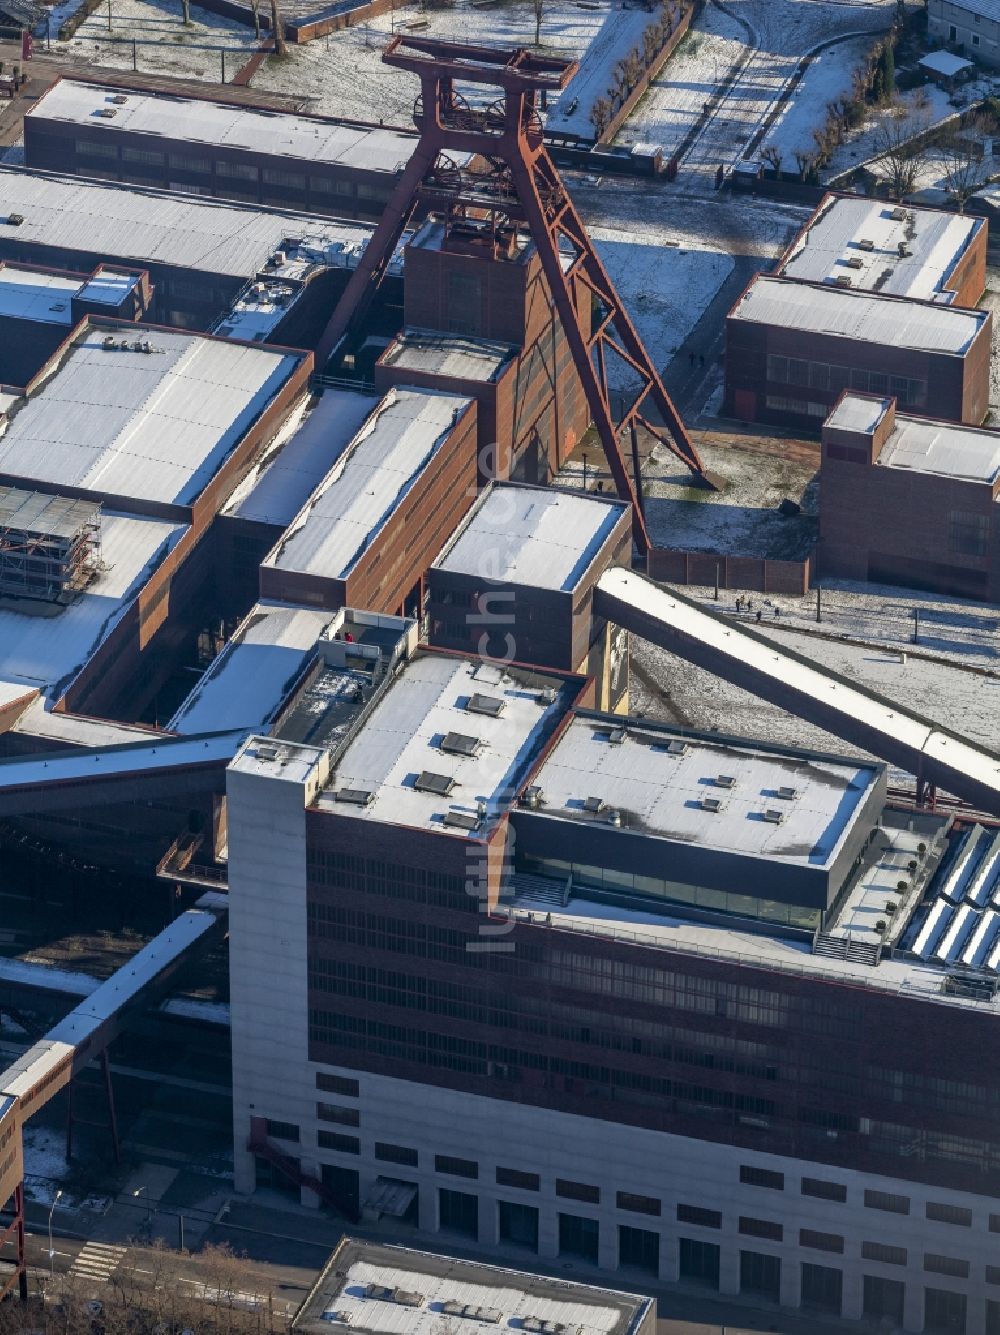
[
  {"x": 226, "y": 125},
  {"x": 153, "y": 426},
  {"x": 924, "y": 446},
  {"x": 865, "y": 317},
  {"x": 857, "y": 412},
  {"x": 367, "y": 483},
  {"x": 437, "y": 353},
  {"x": 136, "y": 225},
  {"x": 32, "y": 294},
  {"x": 532, "y": 535},
  {"x": 860, "y": 239},
  {"x": 988, "y": 9}
]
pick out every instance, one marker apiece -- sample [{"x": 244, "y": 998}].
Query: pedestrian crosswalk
[{"x": 97, "y": 1260}]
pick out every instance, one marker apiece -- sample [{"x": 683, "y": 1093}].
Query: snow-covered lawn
[
  {"x": 666, "y": 289},
  {"x": 163, "y": 44},
  {"x": 828, "y": 78},
  {"x": 742, "y": 520},
  {"x": 758, "y": 45},
  {"x": 343, "y": 74},
  {"x": 922, "y": 108},
  {"x": 621, "y": 31}
]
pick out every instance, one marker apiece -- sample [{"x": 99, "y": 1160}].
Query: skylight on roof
[
  {"x": 429, "y": 782},
  {"x": 490, "y": 705},
  {"x": 460, "y": 744}
]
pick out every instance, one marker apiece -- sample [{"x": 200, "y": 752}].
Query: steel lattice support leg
[{"x": 15, "y": 1231}]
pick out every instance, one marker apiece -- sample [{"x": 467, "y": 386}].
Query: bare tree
[
  {"x": 186, "y": 12},
  {"x": 899, "y": 151},
  {"x": 772, "y": 156},
  {"x": 539, "y": 10},
  {"x": 255, "y": 6},
  {"x": 278, "y": 29},
  {"x": 964, "y": 162}
]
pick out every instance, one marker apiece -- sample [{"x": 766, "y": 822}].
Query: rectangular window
[
  {"x": 946, "y": 1265},
  {"x": 282, "y": 1130},
  {"x": 968, "y": 534},
  {"x": 761, "y": 1177},
  {"x": 326, "y": 185},
  {"x": 94, "y": 148},
  {"x": 627, "y": 1200},
  {"x": 798, "y": 371},
  {"x": 277, "y": 176},
  {"x": 333, "y": 1140},
  {"x": 878, "y": 382},
  {"x": 949, "y": 1214},
  {"x": 332, "y": 1112},
  {"x": 880, "y": 1251},
  {"x": 826, "y": 1191},
  {"x": 395, "y": 1153},
  {"x": 512, "y": 1177},
  {"x": 885, "y": 1200},
  {"x": 337, "y": 1084},
  {"x": 577, "y": 1191},
  {"x": 995, "y": 1223},
  {"x": 148, "y": 157},
  {"x": 445, "y": 1163},
  {"x": 993, "y": 1274},
  {"x": 819, "y": 375},
  {"x": 760, "y": 1228},
  {"x": 777, "y": 368},
  {"x": 820, "y": 1242},
  {"x": 237, "y": 171},
  {"x": 185, "y": 162},
  {"x": 694, "y": 1214}
]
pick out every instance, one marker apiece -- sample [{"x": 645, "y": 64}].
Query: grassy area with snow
[{"x": 163, "y": 44}]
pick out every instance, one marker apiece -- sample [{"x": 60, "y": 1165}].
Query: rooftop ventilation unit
[
  {"x": 470, "y": 1311},
  {"x": 774, "y": 817},
  {"x": 787, "y": 794},
  {"x": 355, "y": 797},
  {"x": 865, "y": 244},
  {"x": 842, "y": 280},
  {"x": 490, "y": 705},
  {"x": 119, "y": 99},
  {"x": 613, "y": 817},
  {"x": 594, "y": 805},
  {"x": 460, "y": 744},
  {"x": 616, "y": 736},
  {"x": 712, "y": 804},
  {"x": 536, "y": 1325},
  {"x": 384, "y": 1294},
  {"x": 429, "y": 782},
  {"x": 462, "y": 820},
  {"x": 724, "y": 781},
  {"x": 547, "y": 697},
  {"x": 106, "y": 113},
  {"x": 676, "y": 748},
  {"x": 898, "y": 214},
  {"x": 902, "y": 250},
  {"x": 15, "y": 219},
  {"x": 854, "y": 262},
  {"x": 533, "y": 797},
  {"x": 108, "y": 342},
  {"x": 267, "y": 751}
]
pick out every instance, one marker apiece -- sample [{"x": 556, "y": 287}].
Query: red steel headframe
[{"x": 525, "y": 190}]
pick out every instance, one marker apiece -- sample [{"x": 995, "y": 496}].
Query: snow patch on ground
[
  {"x": 923, "y": 107},
  {"x": 343, "y": 74},
  {"x": 163, "y": 44},
  {"x": 665, "y": 289}
]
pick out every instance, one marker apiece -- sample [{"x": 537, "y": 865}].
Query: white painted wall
[{"x": 979, "y": 36}]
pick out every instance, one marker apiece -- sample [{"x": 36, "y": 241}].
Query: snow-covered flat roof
[
  {"x": 971, "y": 454},
  {"x": 245, "y": 686},
  {"x": 402, "y": 739},
  {"x": 151, "y": 425},
  {"x": 108, "y": 288},
  {"x": 33, "y": 294},
  {"x": 438, "y": 353},
  {"x": 225, "y": 125},
  {"x": 657, "y": 784},
  {"x": 945, "y": 63},
  {"x": 865, "y": 317},
  {"x": 532, "y": 535},
  {"x": 858, "y": 412},
  {"x": 498, "y": 1291},
  {"x": 859, "y": 239},
  {"x": 135, "y": 224},
  {"x": 987, "y": 9},
  {"x": 47, "y": 651},
  {"x": 367, "y": 483},
  {"x": 300, "y": 457}
]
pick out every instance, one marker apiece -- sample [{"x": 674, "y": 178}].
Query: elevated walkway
[
  {"x": 141, "y": 771},
  {"x": 860, "y": 716}
]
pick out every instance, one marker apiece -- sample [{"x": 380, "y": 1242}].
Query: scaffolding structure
[
  {"x": 50, "y": 546},
  {"x": 519, "y": 195}
]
